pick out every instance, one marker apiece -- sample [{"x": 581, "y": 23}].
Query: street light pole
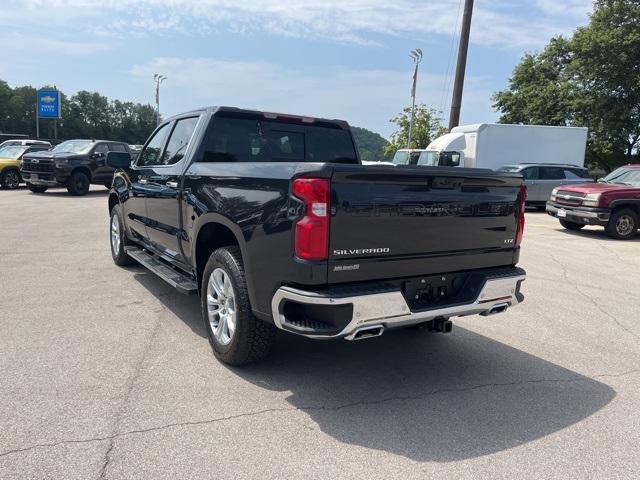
[
  {"x": 416, "y": 55},
  {"x": 158, "y": 79}
]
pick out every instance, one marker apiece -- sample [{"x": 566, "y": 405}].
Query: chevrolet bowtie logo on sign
[{"x": 49, "y": 104}]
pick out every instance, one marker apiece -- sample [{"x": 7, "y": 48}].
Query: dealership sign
[{"x": 49, "y": 105}]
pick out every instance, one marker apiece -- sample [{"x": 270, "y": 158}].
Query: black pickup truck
[
  {"x": 74, "y": 164},
  {"x": 272, "y": 219}
]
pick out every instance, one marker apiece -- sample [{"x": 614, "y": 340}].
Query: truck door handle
[
  {"x": 143, "y": 181},
  {"x": 172, "y": 184}
]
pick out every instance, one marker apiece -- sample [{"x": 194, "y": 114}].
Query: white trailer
[{"x": 492, "y": 145}]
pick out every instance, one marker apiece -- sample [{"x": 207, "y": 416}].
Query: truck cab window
[
  {"x": 117, "y": 147},
  {"x": 101, "y": 149},
  {"x": 249, "y": 140},
  {"x": 413, "y": 158},
  {"x": 234, "y": 140},
  {"x": 449, "y": 159},
  {"x": 179, "y": 140},
  {"x": 330, "y": 145},
  {"x": 151, "y": 154},
  {"x": 286, "y": 146}
]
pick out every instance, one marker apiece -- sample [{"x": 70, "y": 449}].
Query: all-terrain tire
[
  {"x": 623, "y": 224},
  {"x": 78, "y": 184},
  {"x": 118, "y": 239},
  {"x": 252, "y": 338}
]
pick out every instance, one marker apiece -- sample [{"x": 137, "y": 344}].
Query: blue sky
[{"x": 334, "y": 58}]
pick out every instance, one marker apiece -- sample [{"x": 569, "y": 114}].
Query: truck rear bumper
[{"x": 301, "y": 312}]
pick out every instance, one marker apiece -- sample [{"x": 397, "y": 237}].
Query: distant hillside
[{"x": 370, "y": 144}]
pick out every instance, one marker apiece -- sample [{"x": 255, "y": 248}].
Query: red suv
[{"x": 613, "y": 202}]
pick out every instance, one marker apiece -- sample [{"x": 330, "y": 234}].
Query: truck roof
[{"x": 225, "y": 111}]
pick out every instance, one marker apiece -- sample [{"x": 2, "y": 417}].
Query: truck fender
[{"x": 219, "y": 219}]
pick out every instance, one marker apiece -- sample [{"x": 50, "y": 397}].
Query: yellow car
[{"x": 10, "y": 161}]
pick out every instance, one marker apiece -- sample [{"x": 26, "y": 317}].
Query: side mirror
[{"x": 118, "y": 160}]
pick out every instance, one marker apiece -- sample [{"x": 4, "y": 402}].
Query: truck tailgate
[{"x": 392, "y": 222}]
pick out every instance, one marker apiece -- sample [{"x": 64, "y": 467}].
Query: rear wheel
[
  {"x": 623, "y": 224},
  {"x": 118, "y": 239},
  {"x": 236, "y": 335},
  {"x": 10, "y": 178},
  {"x": 78, "y": 184},
  {"x": 36, "y": 188},
  {"x": 571, "y": 225}
]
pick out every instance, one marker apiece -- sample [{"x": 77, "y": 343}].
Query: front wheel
[
  {"x": 622, "y": 224},
  {"x": 36, "y": 188},
  {"x": 78, "y": 184},
  {"x": 10, "y": 179},
  {"x": 118, "y": 239},
  {"x": 571, "y": 225},
  {"x": 237, "y": 337}
]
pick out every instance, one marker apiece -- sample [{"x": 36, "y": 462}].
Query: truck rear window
[{"x": 250, "y": 140}]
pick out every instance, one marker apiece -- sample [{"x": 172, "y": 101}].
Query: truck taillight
[
  {"x": 312, "y": 230},
  {"x": 522, "y": 197}
]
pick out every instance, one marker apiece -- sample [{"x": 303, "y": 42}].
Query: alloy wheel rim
[
  {"x": 221, "y": 306},
  {"x": 115, "y": 235},
  {"x": 624, "y": 225},
  {"x": 11, "y": 180}
]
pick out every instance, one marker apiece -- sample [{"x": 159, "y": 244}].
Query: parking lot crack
[
  {"x": 588, "y": 297},
  {"x": 310, "y": 408},
  {"x": 133, "y": 379}
]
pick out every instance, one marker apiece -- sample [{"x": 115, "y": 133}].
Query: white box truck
[{"x": 492, "y": 145}]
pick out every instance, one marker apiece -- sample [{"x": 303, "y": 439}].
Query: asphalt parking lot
[{"x": 106, "y": 372}]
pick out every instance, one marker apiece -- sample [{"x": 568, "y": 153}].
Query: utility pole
[
  {"x": 416, "y": 55},
  {"x": 158, "y": 79},
  {"x": 458, "y": 86}
]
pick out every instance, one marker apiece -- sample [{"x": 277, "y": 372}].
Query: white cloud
[
  {"x": 42, "y": 44},
  {"x": 575, "y": 8},
  {"x": 505, "y": 24},
  {"x": 366, "y": 98}
]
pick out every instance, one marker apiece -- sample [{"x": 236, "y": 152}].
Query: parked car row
[{"x": 74, "y": 164}]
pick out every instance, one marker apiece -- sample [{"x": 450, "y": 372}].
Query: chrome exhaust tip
[
  {"x": 500, "y": 308},
  {"x": 365, "y": 332}
]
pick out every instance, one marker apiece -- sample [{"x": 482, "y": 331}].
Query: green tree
[
  {"x": 427, "y": 126},
  {"x": 370, "y": 144},
  {"x": 591, "y": 79},
  {"x": 84, "y": 115}
]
